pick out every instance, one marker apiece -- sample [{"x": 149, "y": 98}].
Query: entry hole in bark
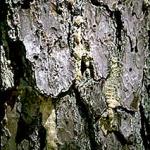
[
  {"x": 35, "y": 57},
  {"x": 67, "y": 122},
  {"x": 130, "y": 69},
  {"x": 94, "y": 25},
  {"x": 109, "y": 34},
  {"x": 125, "y": 118},
  {"x": 133, "y": 13},
  {"x": 91, "y": 88}
]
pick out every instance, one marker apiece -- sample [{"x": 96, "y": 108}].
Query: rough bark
[{"x": 75, "y": 74}]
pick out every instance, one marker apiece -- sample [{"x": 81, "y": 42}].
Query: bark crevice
[
  {"x": 119, "y": 27},
  {"x": 102, "y": 4},
  {"x": 145, "y": 128},
  {"x": 85, "y": 114}
]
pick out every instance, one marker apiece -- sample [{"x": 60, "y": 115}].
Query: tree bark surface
[{"x": 75, "y": 74}]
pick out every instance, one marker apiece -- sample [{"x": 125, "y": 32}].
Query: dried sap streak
[
  {"x": 109, "y": 120},
  {"x": 80, "y": 52}
]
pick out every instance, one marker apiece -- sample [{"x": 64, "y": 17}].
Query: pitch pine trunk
[{"x": 75, "y": 74}]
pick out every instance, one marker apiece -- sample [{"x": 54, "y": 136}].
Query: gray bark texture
[{"x": 75, "y": 74}]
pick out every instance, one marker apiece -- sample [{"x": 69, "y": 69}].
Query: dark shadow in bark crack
[
  {"x": 119, "y": 27},
  {"x": 145, "y": 129},
  {"x": 120, "y": 137},
  {"x": 24, "y": 131},
  {"x": 21, "y": 66},
  {"x": 85, "y": 114},
  {"x": 102, "y": 4},
  {"x": 26, "y": 4}
]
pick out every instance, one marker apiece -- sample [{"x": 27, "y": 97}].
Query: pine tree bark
[{"x": 74, "y": 74}]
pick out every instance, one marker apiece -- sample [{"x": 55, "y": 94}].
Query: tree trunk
[{"x": 75, "y": 74}]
